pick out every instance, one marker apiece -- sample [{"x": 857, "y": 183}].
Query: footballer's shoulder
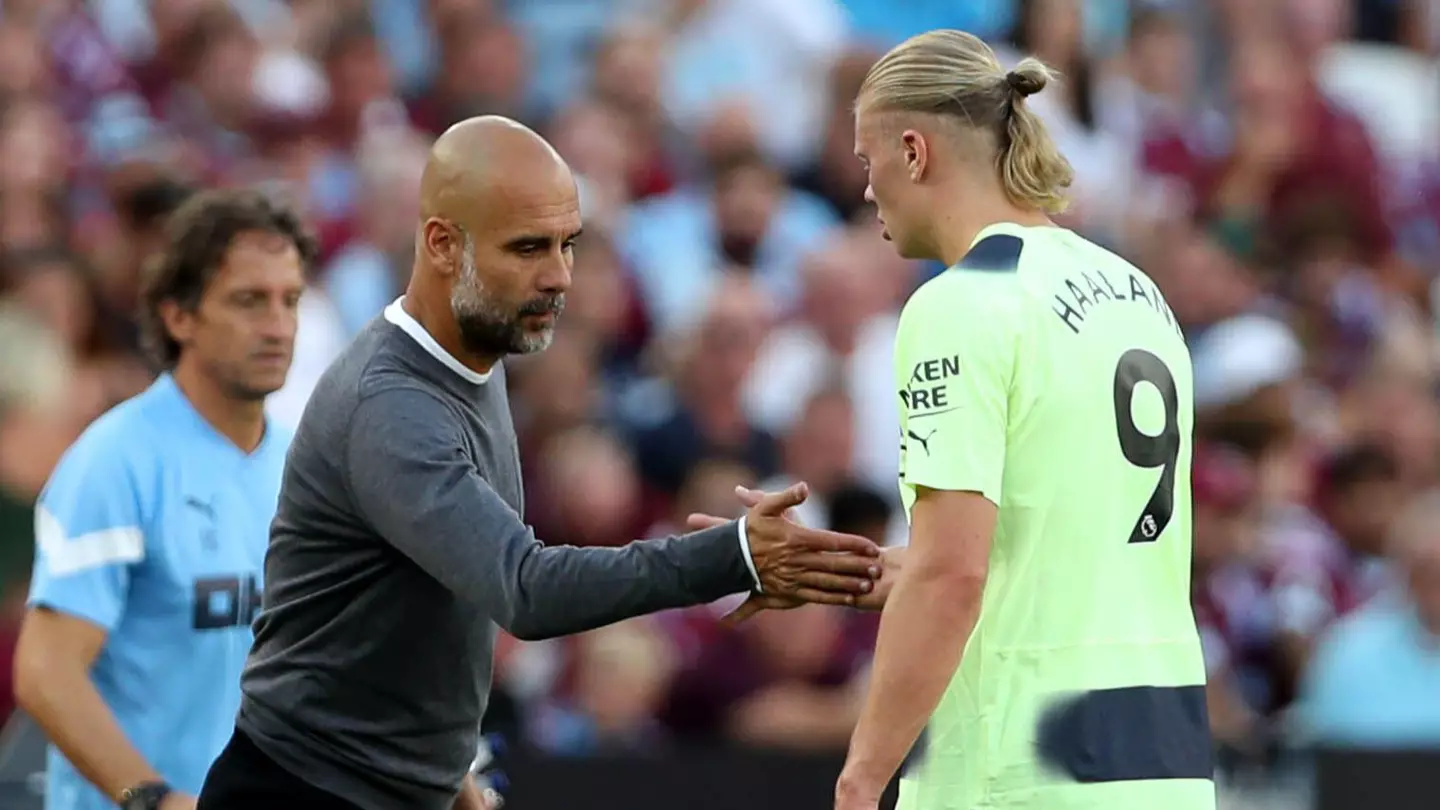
[
  {"x": 993, "y": 254},
  {"x": 127, "y": 430}
]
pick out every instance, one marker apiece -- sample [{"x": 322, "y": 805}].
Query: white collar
[{"x": 396, "y": 314}]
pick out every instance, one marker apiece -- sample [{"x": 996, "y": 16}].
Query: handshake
[{"x": 796, "y": 564}]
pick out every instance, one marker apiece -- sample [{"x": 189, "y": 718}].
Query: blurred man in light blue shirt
[
  {"x": 1374, "y": 681},
  {"x": 151, "y": 533},
  {"x": 680, "y": 245}
]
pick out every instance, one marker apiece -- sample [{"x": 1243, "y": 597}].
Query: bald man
[{"x": 398, "y": 546}]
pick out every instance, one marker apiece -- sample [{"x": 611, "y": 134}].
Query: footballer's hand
[
  {"x": 176, "y": 800},
  {"x": 803, "y": 563},
  {"x": 891, "y": 560},
  {"x": 749, "y": 498}
]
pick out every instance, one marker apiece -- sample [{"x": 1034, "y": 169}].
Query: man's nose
[
  {"x": 555, "y": 276},
  {"x": 279, "y": 323}
]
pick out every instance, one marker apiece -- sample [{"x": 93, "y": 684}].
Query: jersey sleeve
[
  {"x": 955, "y": 360},
  {"x": 88, "y": 533}
]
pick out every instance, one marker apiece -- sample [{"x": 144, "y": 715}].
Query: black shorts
[{"x": 244, "y": 778}]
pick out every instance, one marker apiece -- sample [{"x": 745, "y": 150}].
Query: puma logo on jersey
[
  {"x": 200, "y": 506},
  {"x": 923, "y": 440}
]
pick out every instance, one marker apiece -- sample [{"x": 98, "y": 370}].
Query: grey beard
[{"x": 486, "y": 328}]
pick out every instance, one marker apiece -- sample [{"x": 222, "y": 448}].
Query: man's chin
[
  {"x": 257, "y": 387},
  {"x": 530, "y": 342}
]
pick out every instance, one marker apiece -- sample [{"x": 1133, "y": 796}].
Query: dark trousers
[{"x": 244, "y": 778}]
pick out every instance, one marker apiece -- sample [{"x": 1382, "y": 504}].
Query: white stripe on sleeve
[{"x": 65, "y": 556}]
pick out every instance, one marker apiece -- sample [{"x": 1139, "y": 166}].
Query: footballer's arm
[
  {"x": 928, "y": 618},
  {"x": 52, "y": 684}
]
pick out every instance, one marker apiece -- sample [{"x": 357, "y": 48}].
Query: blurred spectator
[
  {"x": 1374, "y": 676},
  {"x": 749, "y": 219},
  {"x": 841, "y": 337},
  {"x": 1328, "y": 563},
  {"x": 41, "y": 412},
  {"x": 594, "y": 492},
  {"x": 819, "y": 450},
  {"x": 785, "y": 679},
  {"x": 556, "y": 390},
  {"x": 24, "y": 68},
  {"x": 1251, "y": 368},
  {"x": 595, "y": 138},
  {"x": 604, "y": 304},
  {"x": 1204, "y": 284},
  {"x": 1398, "y": 411},
  {"x": 34, "y": 168},
  {"x": 212, "y": 102},
  {"x": 702, "y": 415},
  {"x": 1154, "y": 88},
  {"x": 772, "y": 59},
  {"x": 1054, "y": 31},
  {"x": 374, "y": 267},
  {"x": 361, "y": 96},
  {"x": 709, "y": 489},
  {"x": 628, "y": 69},
  {"x": 1292, "y": 149},
  {"x": 482, "y": 72},
  {"x": 619, "y": 680},
  {"x": 1237, "y": 626},
  {"x": 836, "y": 175},
  {"x": 53, "y": 284},
  {"x": 860, "y": 510},
  {"x": 94, "y": 91},
  {"x": 144, "y": 209}
]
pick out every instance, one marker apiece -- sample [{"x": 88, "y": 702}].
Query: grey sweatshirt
[{"x": 396, "y": 550}]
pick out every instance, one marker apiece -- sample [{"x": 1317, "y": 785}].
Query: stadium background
[{"x": 1274, "y": 164}]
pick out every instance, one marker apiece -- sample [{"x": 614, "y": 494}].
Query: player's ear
[
  {"x": 917, "y": 154},
  {"x": 443, "y": 244},
  {"x": 178, "y": 321}
]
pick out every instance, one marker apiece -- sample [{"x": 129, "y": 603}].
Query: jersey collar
[
  {"x": 396, "y": 314},
  {"x": 179, "y": 406},
  {"x": 1011, "y": 228}
]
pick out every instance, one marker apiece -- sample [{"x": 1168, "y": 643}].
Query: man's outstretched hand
[
  {"x": 811, "y": 565},
  {"x": 871, "y": 599}
]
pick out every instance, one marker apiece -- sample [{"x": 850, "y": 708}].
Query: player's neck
[
  {"x": 242, "y": 421},
  {"x": 442, "y": 327},
  {"x": 961, "y": 221}
]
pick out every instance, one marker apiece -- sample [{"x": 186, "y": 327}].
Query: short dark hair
[
  {"x": 725, "y": 165},
  {"x": 1355, "y": 466},
  {"x": 198, "y": 236},
  {"x": 150, "y": 203},
  {"x": 855, "y": 509}
]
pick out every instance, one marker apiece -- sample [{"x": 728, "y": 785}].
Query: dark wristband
[{"x": 144, "y": 796}]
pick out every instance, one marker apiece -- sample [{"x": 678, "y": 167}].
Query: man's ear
[
  {"x": 179, "y": 323},
  {"x": 917, "y": 154},
  {"x": 442, "y": 243}
]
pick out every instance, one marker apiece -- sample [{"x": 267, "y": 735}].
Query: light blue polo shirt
[
  {"x": 154, "y": 526},
  {"x": 1375, "y": 680}
]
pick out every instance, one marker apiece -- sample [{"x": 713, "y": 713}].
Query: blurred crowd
[{"x": 1273, "y": 164}]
